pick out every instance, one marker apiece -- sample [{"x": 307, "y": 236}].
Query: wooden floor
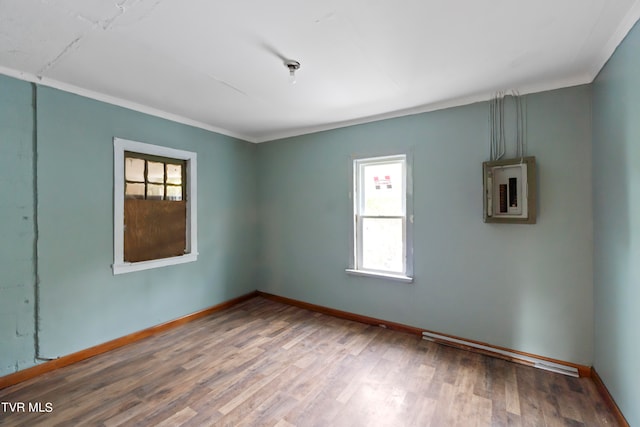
[{"x": 263, "y": 363}]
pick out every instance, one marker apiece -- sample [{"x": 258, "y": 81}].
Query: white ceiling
[{"x": 219, "y": 64}]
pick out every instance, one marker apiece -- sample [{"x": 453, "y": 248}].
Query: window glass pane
[
  {"x": 155, "y": 192},
  {"x": 134, "y": 191},
  {"x": 134, "y": 169},
  {"x": 174, "y": 192},
  {"x": 382, "y": 189},
  {"x": 155, "y": 172},
  {"x": 382, "y": 244},
  {"x": 174, "y": 174}
]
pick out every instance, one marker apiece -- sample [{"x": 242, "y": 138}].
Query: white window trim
[
  {"x": 354, "y": 251},
  {"x": 382, "y": 275},
  {"x": 191, "y": 254}
]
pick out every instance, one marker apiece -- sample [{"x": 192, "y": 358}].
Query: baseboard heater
[{"x": 528, "y": 360}]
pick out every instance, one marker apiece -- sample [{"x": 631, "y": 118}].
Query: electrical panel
[{"x": 509, "y": 191}]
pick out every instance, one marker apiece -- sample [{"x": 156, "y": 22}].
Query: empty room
[{"x": 408, "y": 213}]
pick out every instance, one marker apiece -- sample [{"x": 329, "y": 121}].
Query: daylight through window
[{"x": 380, "y": 219}]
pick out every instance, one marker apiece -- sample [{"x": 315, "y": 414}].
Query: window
[
  {"x": 153, "y": 178},
  {"x": 381, "y": 231},
  {"x": 155, "y": 203}
]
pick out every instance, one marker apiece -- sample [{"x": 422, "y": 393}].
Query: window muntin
[
  {"x": 153, "y": 178},
  {"x": 380, "y": 220},
  {"x": 157, "y": 176},
  {"x": 154, "y": 211}
]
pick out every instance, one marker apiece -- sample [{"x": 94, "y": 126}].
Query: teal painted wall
[
  {"x": 17, "y": 235},
  {"x": 81, "y": 302},
  {"x": 616, "y": 188},
  {"x": 526, "y": 287},
  {"x": 529, "y": 288}
]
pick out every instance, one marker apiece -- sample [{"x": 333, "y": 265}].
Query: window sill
[
  {"x": 388, "y": 276},
  {"x": 127, "y": 267}
]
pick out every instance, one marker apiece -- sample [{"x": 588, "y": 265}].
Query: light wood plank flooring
[{"x": 263, "y": 363}]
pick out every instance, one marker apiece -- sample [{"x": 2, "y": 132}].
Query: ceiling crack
[
  {"x": 68, "y": 47},
  {"x": 229, "y": 85},
  {"x": 122, "y": 7}
]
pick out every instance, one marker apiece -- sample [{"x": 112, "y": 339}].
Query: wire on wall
[
  {"x": 521, "y": 148},
  {"x": 497, "y": 126}
]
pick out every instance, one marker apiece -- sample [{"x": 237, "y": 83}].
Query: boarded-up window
[{"x": 155, "y": 207}]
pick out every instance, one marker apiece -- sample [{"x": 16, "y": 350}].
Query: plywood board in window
[{"x": 154, "y": 229}]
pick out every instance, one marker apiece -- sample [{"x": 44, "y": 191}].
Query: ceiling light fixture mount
[{"x": 293, "y": 66}]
